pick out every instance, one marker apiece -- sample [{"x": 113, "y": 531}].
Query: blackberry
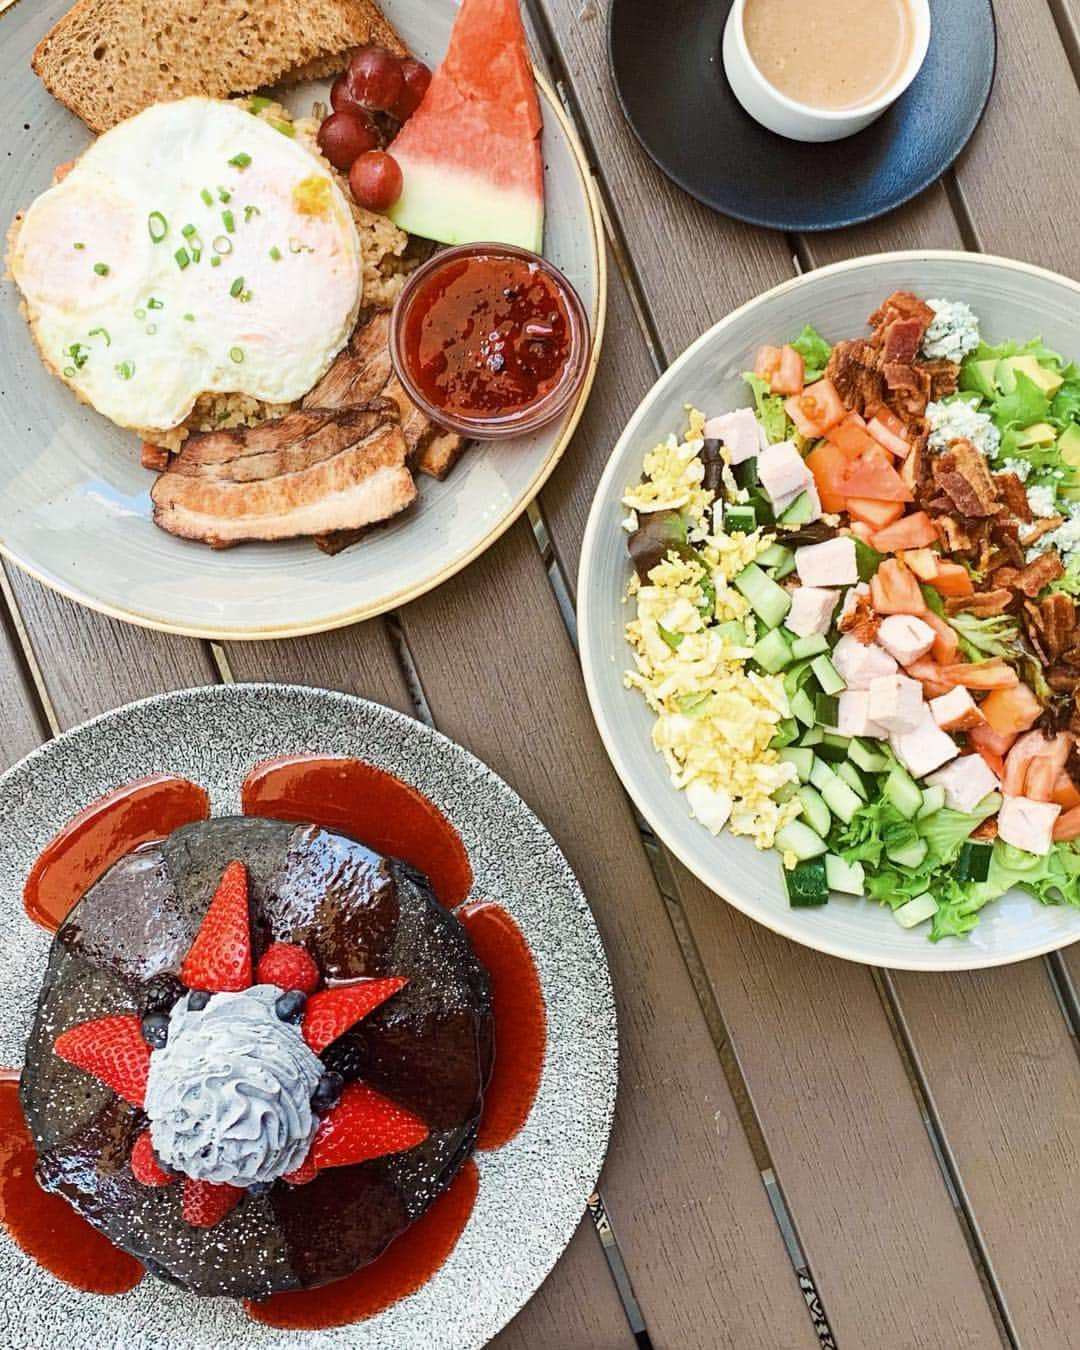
[
  {"x": 197, "y": 1000},
  {"x": 327, "y": 1092},
  {"x": 155, "y": 1029},
  {"x": 290, "y": 1007},
  {"x": 346, "y": 1057},
  {"x": 160, "y": 993}
]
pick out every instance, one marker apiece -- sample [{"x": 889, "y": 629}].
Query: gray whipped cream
[{"x": 229, "y": 1096}]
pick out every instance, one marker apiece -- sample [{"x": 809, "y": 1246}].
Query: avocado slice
[
  {"x": 1039, "y": 433},
  {"x": 1069, "y": 445},
  {"x": 981, "y": 375},
  {"x": 1049, "y": 381}
]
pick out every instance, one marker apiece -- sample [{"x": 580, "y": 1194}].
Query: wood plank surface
[
  {"x": 681, "y": 1186},
  {"x": 22, "y": 727}
]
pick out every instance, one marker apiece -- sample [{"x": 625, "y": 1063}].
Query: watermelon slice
[{"x": 470, "y": 154}]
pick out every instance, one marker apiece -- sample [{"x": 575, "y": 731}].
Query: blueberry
[
  {"x": 260, "y": 1188},
  {"x": 160, "y": 993},
  {"x": 155, "y": 1029},
  {"x": 346, "y": 1057},
  {"x": 197, "y": 1000},
  {"x": 327, "y": 1092},
  {"x": 290, "y": 1007}
]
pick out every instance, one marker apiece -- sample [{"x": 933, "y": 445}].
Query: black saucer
[{"x": 668, "y": 73}]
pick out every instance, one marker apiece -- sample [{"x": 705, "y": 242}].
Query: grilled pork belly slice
[{"x": 310, "y": 473}]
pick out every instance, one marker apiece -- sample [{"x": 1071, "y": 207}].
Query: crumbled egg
[{"x": 714, "y": 716}]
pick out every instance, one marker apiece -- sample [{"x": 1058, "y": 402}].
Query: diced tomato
[
  {"x": 816, "y": 409},
  {"x": 864, "y": 531},
  {"x": 62, "y": 170},
  {"x": 827, "y": 463},
  {"x": 914, "y": 531},
  {"x": 1010, "y": 711},
  {"x": 1036, "y": 760},
  {"x": 946, "y": 643},
  {"x": 788, "y": 376},
  {"x": 992, "y": 674},
  {"x": 994, "y": 762},
  {"x": 872, "y": 475},
  {"x": 1067, "y": 826},
  {"x": 889, "y": 433},
  {"x": 984, "y": 737},
  {"x": 767, "y": 362},
  {"x": 875, "y": 514},
  {"x": 851, "y": 435},
  {"x": 928, "y": 673},
  {"x": 1041, "y": 781},
  {"x": 952, "y": 579},
  {"x": 1065, "y": 792},
  {"x": 895, "y": 590},
  {"x": 922, "y": 561}
]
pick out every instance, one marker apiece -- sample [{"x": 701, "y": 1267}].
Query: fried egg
[{"x": 192, "y": 249}]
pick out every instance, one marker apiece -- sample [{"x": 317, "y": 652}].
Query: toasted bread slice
[{"x": 108, "y": 59}]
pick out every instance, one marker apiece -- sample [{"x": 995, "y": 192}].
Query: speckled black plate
[
  {"x": 668, "y": 73},
  {"x": 532, "y": 1192}
]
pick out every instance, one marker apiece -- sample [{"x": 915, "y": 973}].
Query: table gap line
[
  {"x": 965, "y": 222},
  {"x": 1068, "y": 995},
  {"x": 44, "y": 711},
  {"x": 1068, "y": 26}
]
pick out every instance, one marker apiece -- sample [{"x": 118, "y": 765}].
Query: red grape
[
  {"x": 375, "y": 78},
  {"x": 415, "y": 80},
  {"x": 346, "y": 135},
  {"x": 376, "y": 181},
  {"x": 341, "y": 100}
]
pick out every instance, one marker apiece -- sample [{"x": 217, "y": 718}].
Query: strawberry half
[
  {"x": 332, "y": 1012},
  {"x": 113, "y": 1050},
  {"x": 219, "y": 960},
  {"x": 364, "y": 1125},
  {"x": 206, "y": 1204},
  {"x": 289, "y": 967},
  {"x": 144, "y": 1165},
  {"x": 300, "y": 1176}
]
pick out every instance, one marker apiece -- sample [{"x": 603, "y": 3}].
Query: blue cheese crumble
[
  {"x": 957, "y": 418},
  {"x": 953, "y": 332}
]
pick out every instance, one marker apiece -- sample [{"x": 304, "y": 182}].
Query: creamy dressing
[{"x": 830, "y": 53}]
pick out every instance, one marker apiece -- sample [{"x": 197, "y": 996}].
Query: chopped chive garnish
[
  {"x": 158, "y": 226},
  {"x": 190, "y": 318},
  {"x": 78, "y": 353},
  {"x": 154, "y": 303},
  {"x": 196, "y": 254},
  {"x": 236, "y": 354},
  {"x": 69, "y": 372},
  {"x": 237, "y": 286},
  {"x": 245, "y": 297},
  {"x": 222, "y": 244},
  {"x": 250, "y": 211},
  {"x": 126, "y": 369},
  {"x": 151, "y": 329},
  {"x": 78, "y": 246},
  {"x": 223, "y": 416},
  {"x": 207, "y": 196},
  {"x": 275, "y": 253},
  {"x": 183, "y": 257},
  {"x": 215, "y": 261},
  {"x": 188, "y": 231},
  {"x": 295, "y": 246},
  {"x": 229, "y": 220},
  {"x": 258, "y": 102},
  {"x": 102, "y": 269},
  {"x": 104, "y": 333},
  {"x": 224, "y": 195},
  {"x": 286, "y": 128},
  {"x": 140, "y": 313},
  {"x": 240, "y": 161}
]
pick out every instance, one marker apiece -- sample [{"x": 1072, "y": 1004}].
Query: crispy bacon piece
[
  {"x": 907, "y": 389},
  {"x": 899, "y": 305},
  {"x": 1045, "y": 525},
  {"x": 861, "y": 621},
  {"x": 943, "y": 377},
  {"x": 901, "y": 341},
  {"x": 961, "y": 473},
  {"x": 1037, "y": 575},
  {"x": 1058, "y": 614},
  {"x": 956, "y": 535},
  {"x": 1004, "y": 577},
  {"x": 852, "y": 367},
  {"x": 986, "y": 831},
  {"x": 983, "y": 604},
  {"x": 1011, "y": 491}
]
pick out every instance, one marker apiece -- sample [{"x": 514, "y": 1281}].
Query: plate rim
[
  {"x": 790, "y": 224},
  {"x": 950, "y": 959},
  {"x": 371, "y": 610}
]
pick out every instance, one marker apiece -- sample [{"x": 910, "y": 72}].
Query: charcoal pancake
[{"x": 430, "y": 1048}]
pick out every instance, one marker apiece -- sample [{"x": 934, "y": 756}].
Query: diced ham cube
[
  {"x": 858, "y": 663},
  {"x": 829, "y": 564},
  {"x": 1028, "y": 824},
  {"x": 956, "y": 710},
  {"x": 896, "y": 702},
  {"x": 905, "y": 637},
  {"x": 853, "y": 715},
  {"x": 811, "y": 611},
  {"x": 740, "y": 431},
  {"x": 923, "y": 749},
  {"x": 782, "y": 472},
  {"x": 967, "y": 780}
]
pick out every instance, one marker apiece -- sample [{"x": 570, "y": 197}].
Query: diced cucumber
[
  {"x": 787, "y": 731},
  {"x": 769, "y": 601},
  {"x": 800, "y": 839},
  {"x": 785, "y": 792},
  {"x": 740, "y": 519},
  {"x": 812, "y": 645},
  {"x": 806, "y": 884},
  {"x": 781, "y": 570},
  {"x": 733, "y": 631},
  {"x": 761, "y": 504},
  {"x": 848, "y": 878},
  {"x": 853, "y": 778},
  {"x": 773, "y": 651},
  {"x": 835, "y": 754},
  {"x": 933, "y": 799},
  {"x": 916, "y": 911},
  {"x": 801, "y": 757},
  {"x": 841, "y": 800},
  {"x": 837, "y": 739},
  {"x": 812, "y": 736},
  {"x": 746, "y": 472},
  {"x": 773, "y": 556},
  {"x": 902, "y": 791},
  {"x": 797, "y": 676},
  {"x": 820, "y": 773},
  {"x": 814, "y": 811},
  {"x": 802, "y": 707},
  {"x": 828, "y": 676},
  {"x": 864, "y": 756},
  {"x": 973, "y": 860},
  {"x": 867, "y": 559},
  {"x": 911, "y": 855},
  {"x": 826, "y": 709},
  {"x": 800, "y": 512}
]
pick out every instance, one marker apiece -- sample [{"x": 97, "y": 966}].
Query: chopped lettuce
[
  {"x": 815, "y": 352},
  {"x": 1026, "y": 405},
  {"x": 1052, "y": 880},
  {"x": 770, "y": 409},
  {"x": 980, "y": 639},
  {"x": 1070, "y": 582},
  {"x": 1046, "y": 356}
]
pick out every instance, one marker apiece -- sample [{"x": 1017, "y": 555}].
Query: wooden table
[{"x": 805, "y": 1152}]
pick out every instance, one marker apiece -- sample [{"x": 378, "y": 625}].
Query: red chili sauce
[{"x": 487, "y": 336}]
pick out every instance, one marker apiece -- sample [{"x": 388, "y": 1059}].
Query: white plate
[
  {"x": 76, "y": 504},
  {"x": 1012, "y": 300}
]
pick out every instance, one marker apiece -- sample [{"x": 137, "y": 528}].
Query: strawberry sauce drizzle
[
  {"x": 89, "y": 844},
  {"x": 519, "y": 1017},
  {"x": 44, "y": 1225},
  {"x": 369, "y": 805},
  {"x": 407, "y": 1264}
]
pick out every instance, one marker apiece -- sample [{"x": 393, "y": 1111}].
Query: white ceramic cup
[{"x": 799, "y": 121}]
